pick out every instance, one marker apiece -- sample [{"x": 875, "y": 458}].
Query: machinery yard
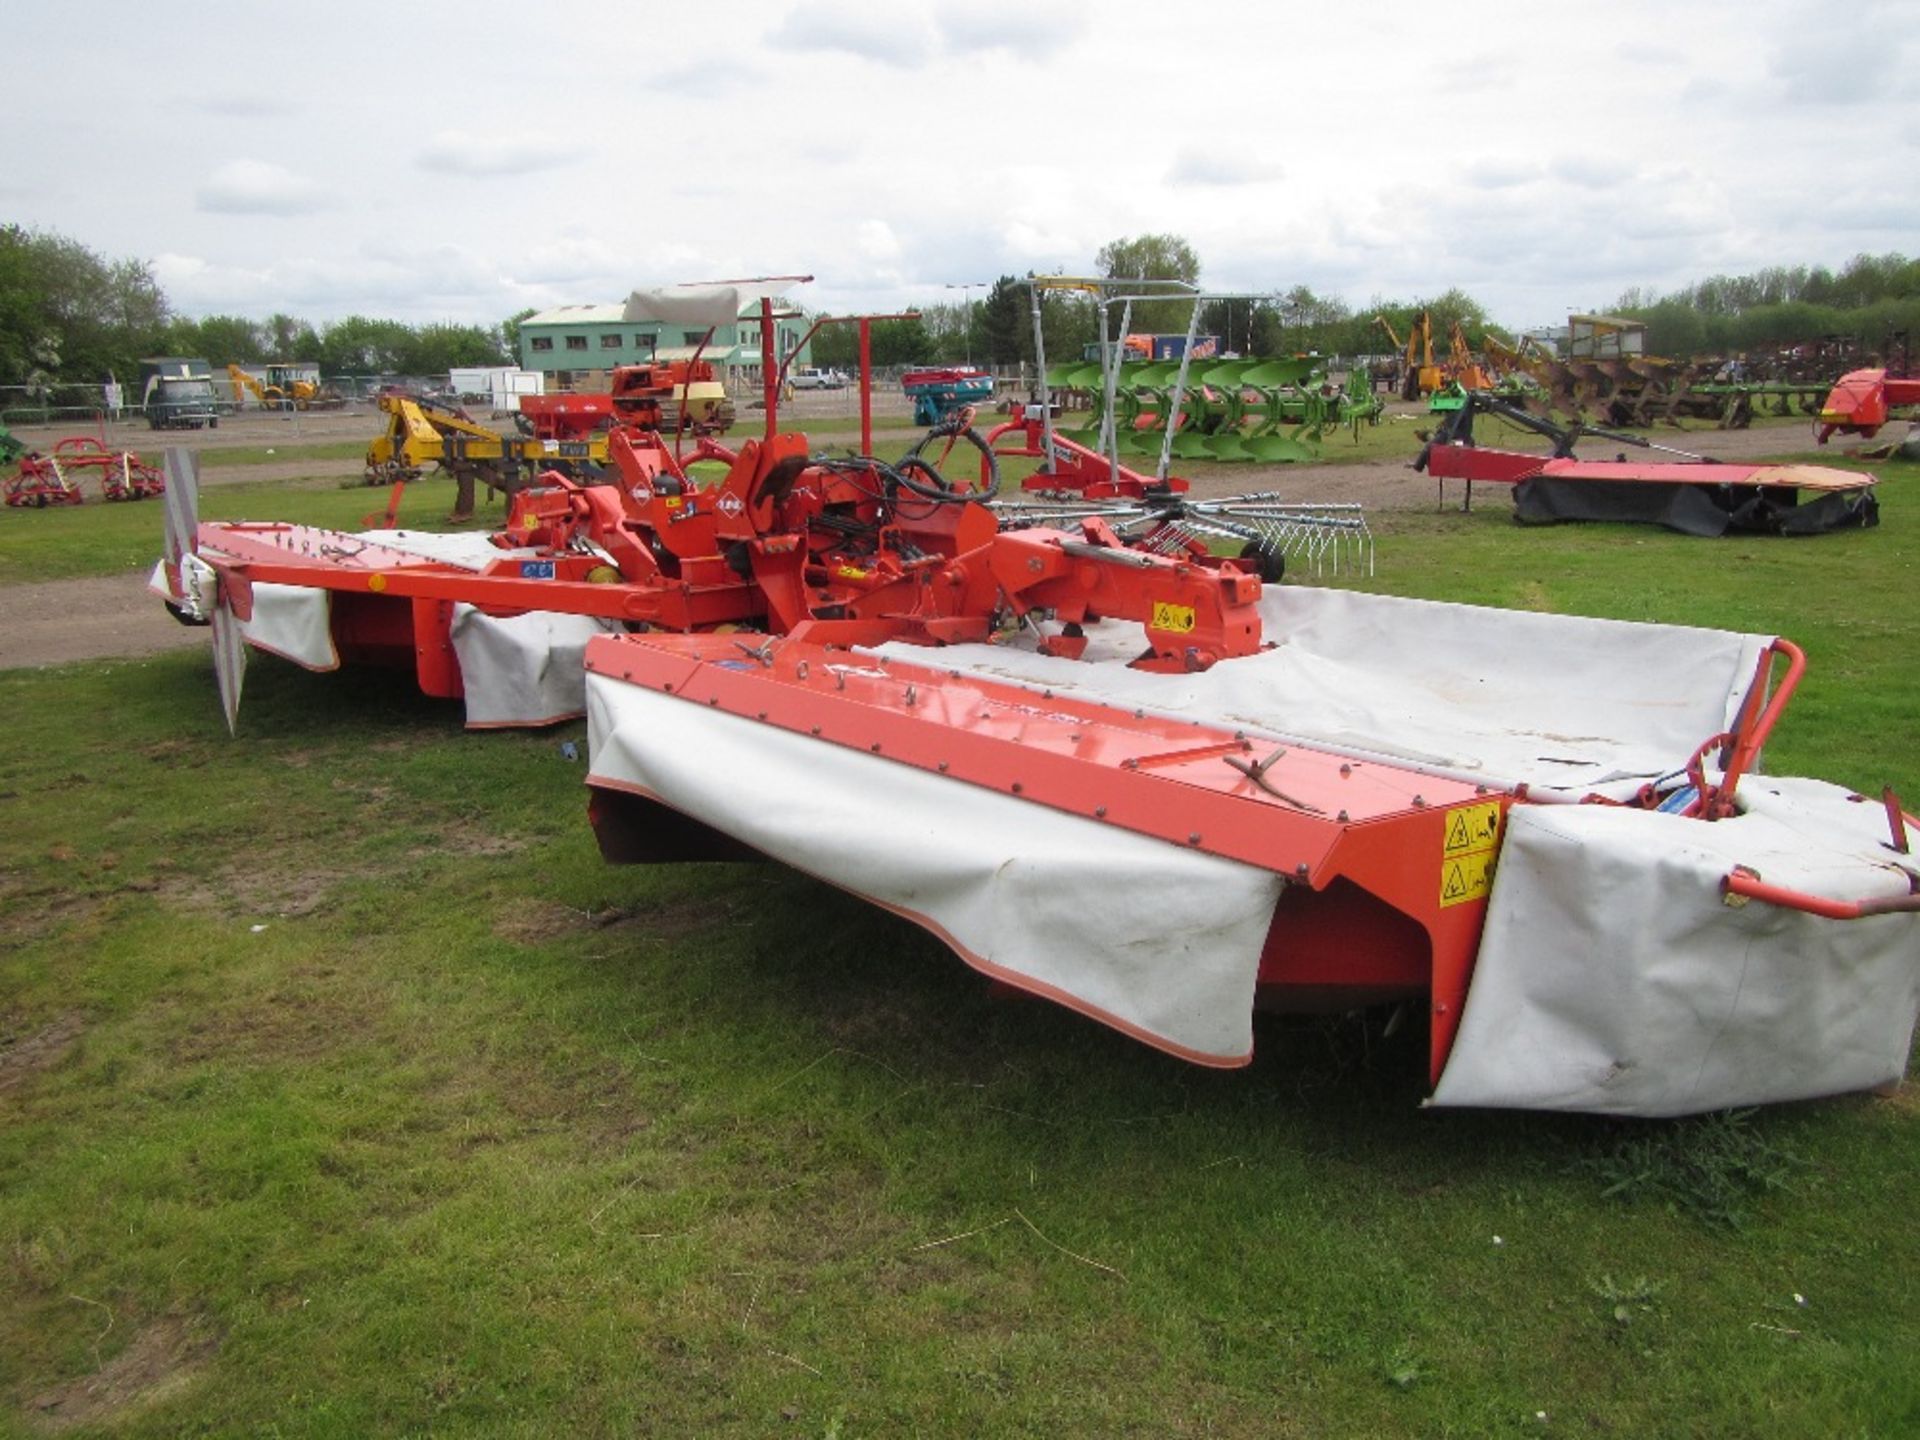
[
  {"x": 831, "y": 1181},
  {"x": 1185, "y": 768}
]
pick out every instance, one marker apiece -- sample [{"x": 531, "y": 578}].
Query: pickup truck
[{"x": 812, "y": 379}]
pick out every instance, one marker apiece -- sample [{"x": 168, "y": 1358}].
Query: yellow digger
[{"x": 285, "y": 388}]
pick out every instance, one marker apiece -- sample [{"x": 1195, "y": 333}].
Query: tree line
[
  {"x": 998, "y": 328},
  {"x": 70, "y": 319},
  {"x": 1872, "y": 298}
]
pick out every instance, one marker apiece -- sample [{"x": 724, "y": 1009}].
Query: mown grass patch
[{"x": 343, "y": 1089}]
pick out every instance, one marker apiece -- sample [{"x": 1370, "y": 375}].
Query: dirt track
[
  {"x": 95, "y": 618},
  {"x": 60, "y": 621}
]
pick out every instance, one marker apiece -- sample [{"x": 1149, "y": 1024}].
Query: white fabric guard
[{"x": 1157, "y": 940}]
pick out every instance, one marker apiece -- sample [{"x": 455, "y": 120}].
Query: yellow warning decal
[
  {"x": 851, "y": 572},
  {"x": 1167, "y": 616},
  {"x": 1472, "y": 827},
  {"x": 1467, "y": 848},
  {"x": 1465, "y": 877}
]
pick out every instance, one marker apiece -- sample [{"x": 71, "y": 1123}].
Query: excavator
[
  {"x": 1462, "y": 375},
  {"x": 1420, "y": 374},
  {"x": 285, "y": 388}
]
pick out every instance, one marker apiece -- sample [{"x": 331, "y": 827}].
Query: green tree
[
  {"x": 67, "y": 314},
  {"x": 510, "y": 333},
  {"x": 221, "y": 340},
  {"x": 894, "y": 342},
  {"x": 1266, "y": 336},
  {"x": 358, "y": 345},
  {"x": 287, "y": 338},
  {"x": 1006, "y": 323},
  {"x": 1151, "y": 257},
  {"x": 436, "y": 349}
]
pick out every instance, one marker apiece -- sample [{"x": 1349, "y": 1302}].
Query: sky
[{"x": 466, "y": 162}]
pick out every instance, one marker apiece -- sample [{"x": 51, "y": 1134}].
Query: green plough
[{"x": 1269, "y": 411}]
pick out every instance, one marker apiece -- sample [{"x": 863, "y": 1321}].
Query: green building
[{"x": 575, "y": 346}]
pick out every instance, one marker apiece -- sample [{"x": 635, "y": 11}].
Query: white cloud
[
  {"x": 875, "y": 240},
  {"x": 1838, "y": 65},
  {"x": 891, "y": 34},
  {"x": 1499, "y": 172},
  {"x": 259, "y": 187},
  {"x": 1590, "y": 172},
  {"x": 1022, "y": 29},
  {"x": 506, "y": 152},
  {"x": 1221, "y": 164},
  {"x": 243, "y": 107},
  {"x": 570, "y": 258}
]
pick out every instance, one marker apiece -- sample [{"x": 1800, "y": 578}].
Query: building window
[
  {"x": 692, "y": 337},
  {"x": 609, "y": 342},
  {"x": 543, "y": 342},
  {"x": 576, "y": 342}
]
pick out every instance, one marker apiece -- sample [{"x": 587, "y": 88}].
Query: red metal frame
[
  {"x": 1510, "y": 467},
  {"x": 1074, "y": 469},
  {"x": 54, "y": 479},
  {"x": 1741, "y": 885}
]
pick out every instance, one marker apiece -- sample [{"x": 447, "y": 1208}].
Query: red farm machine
[
  {"x": 58, "y": 478},
  {"x": 1677, "y": 490},
  {"x": 1861, "y": 402},
  {"x": 1112, "y": 767}
]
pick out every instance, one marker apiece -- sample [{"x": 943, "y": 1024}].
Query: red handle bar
[{"x": 1745, "y": 885}]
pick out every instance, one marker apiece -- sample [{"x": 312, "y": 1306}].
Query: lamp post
[{"x": 966, "y": 289}]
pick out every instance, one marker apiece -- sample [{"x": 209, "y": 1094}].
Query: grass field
[{"x": 344, "y": 1091}]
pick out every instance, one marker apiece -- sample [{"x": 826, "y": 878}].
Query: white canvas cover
[
  {"x": 468, "y": 549},
  {"x": 293, "y": 622},
  {"x": 1157, "y": 940},
  {"x": 702, "y": 305},
  {"x": 1492, "y": 696},
  {"x": 1612, "y": 978},
  {"x": 525, "y": 670}
]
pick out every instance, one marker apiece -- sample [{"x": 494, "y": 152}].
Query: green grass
[
  {"x": 104, "y": 539},
  {"x": 352, "y": 452},
  {"x": 478, "y": 1134}
]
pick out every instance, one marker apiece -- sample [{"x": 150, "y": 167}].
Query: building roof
[
  {"x": 579, "y": 315},
  {"x": 623, "y": 314}
]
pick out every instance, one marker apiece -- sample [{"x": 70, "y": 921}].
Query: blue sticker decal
[{"x": 536, "y": 569}]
